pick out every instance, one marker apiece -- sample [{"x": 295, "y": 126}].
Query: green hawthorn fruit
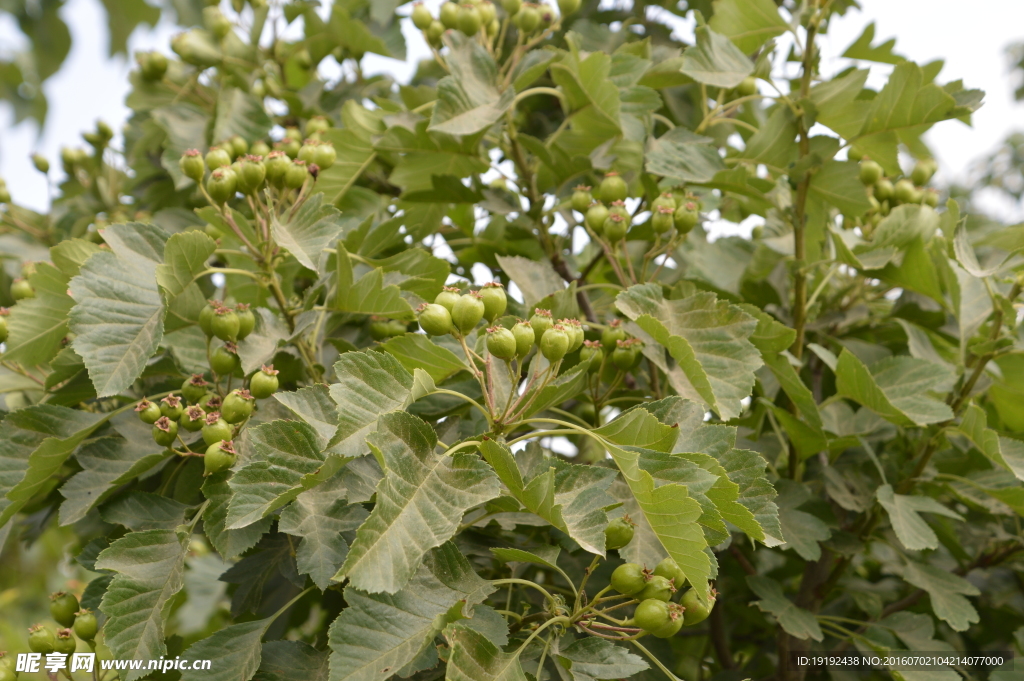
[
  {"x": 239, "y": 147},
  {"x": 487, "y": 12},
  {"x": 41, "y": 639},
  {"x": 224, "y": 362},
  {"x": 662, "y": 220},
  {"x": 3, "y": 327},
  {"x": 567, "y": 7},
  {"x": 884, "y": 190},
  {"x": 525, "y": 338},
  {"x": 527, "y": 18},
  {"x": 613, "y": 188},
  {"x": 501, "y": 343},
  {"x": 21, "y": 289},
  {"x": 670, "y": 570},
  {"x": 747, "y": 87},
  {"x": 619, "y": 208},
  {"x": 614, "y": 229},
  {"x": 923, "y": 171},
  {"x": 215, "y": 22},
  {"x": 629, "y": 579},
  {"x": 225, "y": 324},
  {"x": 7, "y": 662},
  {"x": 596, "y": 216},
  {"x": 447, "y": 297},
  {"x": 379, "y": 328},
  {"x": 686, "y": 217},
  {"x": 5, "y": 195},
  {"x": 581, "y": 199},
  {"x": 192, "y": 165},
  {"x": 547, "y": 15},
  {"x": 264, "y": 382},
  {"x": 246, "y": 320},
  {"x": 296, "y": 174},
  {"x": 554, "y": 343},
  {"x": 307, "y": 150},
  {"x": 435, "y": 319},
  {"x": 211, "y": 402},
  {"x": 541, "y": 321},
  {"x": 421, "y": 16},
  {"x": 618, "y": 533},
  {"x": 86, "y": 625},
  {"x": 148, "y": 411},
  {"x": 591, "y": 352},
  {"x": 695, "y": 612},
  {"x": 41, "y": 164},
  {"x": 277, "y": 164},
  {"x": 468, "y": 311},
  {"x": 905, "y": 191},
  {"x": 171, "y": 407},
  {"x": 219, "y": 456},
  {"x": 165, "y": 431},
  {"x": 511, "y": 7},
  {"x": 449, "y": 15},
  {"x": 931, "y": 198},
  {"x": 218, "y": 157},
  {"x": 251, "y": 175},
  {"x": 206, "y": 316},
  {"x": 495, "y": 302},
  {"x": 196, "y": 47},
  {"x": 259, "y": 148},
  {"x": 651, "y": 615},
  {"x": 317, "y": 124},
  {"x": 623, "y": 355},
  {"x": 153, "y": 65},
  {"x": 221, "y": 185},
  {"x": 63, "y": 607},
  {"x": 674, "y": 624},
  {"x": 216, "y": 429},
  {"x": 664, "y": 200},
  {"x": 324, "y": 156},
  {"x": 434, "y": 33},
  {"x": 574, "y": 328},
  {"x": 192, "y": 419},
  {"x": 870, "y": 172},
  {"x": 64, "y": 642},
  {"x": 657, "y": 587},
  {"x": 237, "y": 407},
  {"x": 469, "y": 19}
]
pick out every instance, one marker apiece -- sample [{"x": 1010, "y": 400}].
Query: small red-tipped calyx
[
  {"x": 143, "y": 405},
  {"x": 212, "y": 418},
  {"x": 172, "y": 401},
  {"x": 269, "y": 370},
  {"x": 163, "y": 423}
]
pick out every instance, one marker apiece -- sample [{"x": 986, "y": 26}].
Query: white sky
[{"x": 973, "y": 43}]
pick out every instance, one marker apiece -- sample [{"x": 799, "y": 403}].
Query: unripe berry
[
  {"x": 613, "y": 188},
  {"x": 435, "y": 319},
  {"x": 216, "y": 429},
  {"x": 63, "y": 607},
  {"x": 468, "y": 311},
  {"x": 615, "y": 228},
  {"x": 527, "y": 19},
  {"x": 618, "y": 533},
  {"x": 449, "y": 15},
  {"x": 541, "y": 321},
  {"x": 41, "y": 164},
  {"x": 447, "y": 297},
  {"x": 501, "y": 343},
  {"x": 246, "y": 320},
  {"x": 221, "y": 185},
  {"x": 195, "y": 47},
  {"x": 215, "y": 22},
  {"x": 662, "y": 220},
  {"x": 171, "y": 407},
  {"x": 296, "y": 175},
  {"x": 596, "y": 215},
  {"x": 931, "y": 198},
  {"x": 324, "y": 156},
  {"x": 206, "y": 316},
  {"x": 192, "y": 166},
  {"x": 21, "y": 289},
  {"x": 923, "y": 171},
  {"x": 290, "y": 147},
  {"x": 3, "y": 324},
  {"x": 905, "y": 192},
  {"x": 591, "y": 352},
  {"x": 581, "y": 199},
  {"x": 434, "y": 33},
  {"x": 870, "y": 172},
  {"x": 686, "y": 217},
  {"x": 223, "y": 361},
  {"x": 219, "y": 456},
  {"x": 554, "y": 343},
  {"x": 276, "y": 164},
  {"x": 192, "y": 419},
  {"x": 316, "y": 125},
  {"x": 487, "y": 12},
  {"x": 225, "y": 324},
  {"x": 469, "y": 19},
  {"x": 153, "y": 65},
  {"x": 259, "y": 148},
  {"x": 264, "y": 382},
  {"x": 547, "y": 15},
  {"x": 148, "y": 411},
  {"x": 237, "y": 407},
  {"x": 252, "y": 174},
  {"x": 41, "y": 639},
  {"x": 567, "y": 7},
  {"x": 86, "y": 625},
  {"x": 695, "y": 612},
  {"x": 576, "y": 336},
  {"x": 165, "y": 431},
  {"x": 664, "y": 200},
  {"x": 65, "y": 643},
  {"x": 238, "y": 145},
  {"x": 495, "y": 302},
  {"x": 421, "y": 17},
  {"x": 511, "y": 6},
  {"x": 884, "y": 190},
  {"x": 747, "y": 87},
  {"x": 525, "y": 337}
]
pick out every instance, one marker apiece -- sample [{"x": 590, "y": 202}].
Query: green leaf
[
  {"x": 38, "y": 325},
  {"x": 123, "y": 17},
  {"x": 586, "y": 84},
  {"x": 309, "y": 231},
  {"x": 748, "y": 23},
  {"x": 286, "y": 460},
  {"x": 118, "y": 316},
  {"x": 1004, "y": 451},
  {"x": 907, "y": 101},
  {"x": 69, "y": 255},
  {"x": 233, "y": 652},
  {"x": 369, "y": 384},
  {"x": 896, "y": 388},
  {"x": 595, "y": 658},
  {"x": 838, "y": 184},
  {"x": 967, "y": 258},
  {"x": 186, "y": 127},
  {"x": 185, "y": 256},
  {"x": 319, "y": 516},
  {"x": 468, "y": 100},
  {"x": 229, "y": 543},
  {"x": 240, "y": 113},
  {"x": 569, "y": 497},
  {"x": 801, "y": 530},
  {"x": 474, "y": 658},
  {"x": 140, "y": 510},
  {"x": 536, "y": 279},
  {"x": 911, "y": 529},
  {"x": 715, "y": 60},
  {"x": 292, "y": 661},
  {"x": 379, "y": 634},
  {"x": 34, "y": 443},
  {"x": 681, "y": 156},
  {"x": 107, "y": 463},
  {"x": 796, "y": 621},
  {"x": 773, "y": 143},
  {"x": 795, "y": 389},
  {"x": 770, "y": 336},
  {"x": 668, "y": 508},
  {"x": 415, "y": 271},
  {"x": 947, "y": 591},
  {"x": 708, "y": 338},
  {"x": 368, "y": 294},
  {"x": 354, "y": 156},
  {"x": 313, "y": 404},
  {"x": 149, "y": 567},
  {"x": 420, "y": 502},
  {"x": 416, "y": 351},
  {"x": 862, "y": 48}
]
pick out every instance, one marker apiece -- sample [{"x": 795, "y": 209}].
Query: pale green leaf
[
  {"x": 369, "y": 294},
  {"x": 801, "y": 530},
  {"x": 796, "y": 621},
  {"x": 748, "y": 23},
  {"x": 354, "y": 156},
  {"x": 37, "y": 326},
  {"x": 863, "y": 49},
  {"x": 185, "y": 256},
  {"x": 69, "y": 255},
  {"x": 904, "y": 515},
  {"x": 838, "y": 183},
  {"x": 368, "y": 384},
  {"x": 313, "y": 404},
  {"x": 1004, "y": 451},
  {"x": 947, "y": 591},
  {"x": 715, "y": 60},
  {"x": 681, "y": 156},
  {"x": 308, "y": 231},
  {"x": 229, "y": 543},
  {"x": 420, "y": 502},
  {"x": 240, "y": 113},
  {"x": 896, "y": 388},
  {"x": 468, "y": 100},
  {"x": 536, "y": 279},
  {"x": 140, "y": 510},
  {"x": 416, "y": 351},
  {"x": 149, "y": 567},
  {"x": 233, "y": 652},
  {"x": 595, "y": 658},
  {"x": 118, "y": 316},
  {"x": 907, "y": 101},
  {"x": 292, "y": 661},
  {"x": 474, "y": 658}
]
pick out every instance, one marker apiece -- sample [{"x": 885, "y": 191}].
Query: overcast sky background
[{"x": 972, "y": 40}]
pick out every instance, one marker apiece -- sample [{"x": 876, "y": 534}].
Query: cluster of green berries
[
  {"x": 20, "y": 290},
  {"x": 884, "y": 194},
  {"x": 382, "y": 328},
  {"x": 657, "y": 612},
  {"x": 473, "y": 16},
  {"x": 72, "y": 620},
  {"x": 625, "y": 353},
  {"x": 607, "y": 217}
]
